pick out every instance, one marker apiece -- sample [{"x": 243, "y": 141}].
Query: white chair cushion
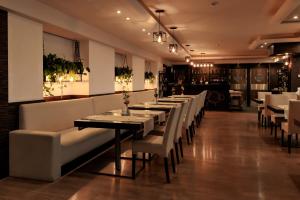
[{"x": 150, "y": 144}]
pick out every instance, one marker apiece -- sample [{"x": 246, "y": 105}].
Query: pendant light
[
  {"x": 187, "y": 59},
  {"x": 159, "y": 36},
  {"x": 173, "y": 47}
]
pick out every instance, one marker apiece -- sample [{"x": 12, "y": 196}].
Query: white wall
[
  {"x": 138, "y": 66},
  {"x": 62, "y": 47},
  {"x": 25, "y": 59},
  {"x": 102, "y": 65}
]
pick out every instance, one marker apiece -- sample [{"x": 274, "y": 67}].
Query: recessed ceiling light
[
  {"x": 118, "y": 11},
  {"x": 127, "y": 18},
  {"x": 265, "y": 43},
  {"x": 143, "y": 30},
  {"x": 187, "y": 45},
  {"x": 192, "y": 50},
  {"x": 296, "y": 17},
  {"x": 262, "y": 46},
  {"x": 148, "y": 33},
  {"x": 214, "y": 3}
]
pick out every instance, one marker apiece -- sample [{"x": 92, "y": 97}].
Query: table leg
[{"x": 118, "y": 149}]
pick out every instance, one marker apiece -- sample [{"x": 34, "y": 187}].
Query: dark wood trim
[
  {"x": 4, "y": 127},
  {"x": 67, "y": 97}
]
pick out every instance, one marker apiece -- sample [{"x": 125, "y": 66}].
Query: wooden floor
[{"x": 231, "y": 158}]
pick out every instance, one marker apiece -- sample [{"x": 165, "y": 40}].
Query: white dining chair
[
  {"x": 178, "y": 133},
  {"x": 189, "y": 121},
  {"x": 289, "y": 128},
  {"x": 161, "y": 145}
]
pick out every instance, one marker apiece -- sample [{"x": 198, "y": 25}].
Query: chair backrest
[
  {"x": 291, "y": 95},
  {"x": 169, "y": 134},
  {"x": 261, "y": 95},
  {"x": 203, "y": 97},
  {"x": 181, "y": 120},
  {"x": 198, "y": 103},
  {"x": 190, "y": 113},
  {"x": 293, "y": 113},
  {"x": 275, "y": 99}
]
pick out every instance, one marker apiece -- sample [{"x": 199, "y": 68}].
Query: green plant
[
  {"x": 55, "y": 67},
  {"x": 149, "y": 76},
  {"x": 123, "y": 75}
]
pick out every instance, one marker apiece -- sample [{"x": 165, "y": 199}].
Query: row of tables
[{"x": 141, "y": 120}]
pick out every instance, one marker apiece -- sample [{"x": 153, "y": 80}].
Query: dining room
[{"x": 152, "y": 99}]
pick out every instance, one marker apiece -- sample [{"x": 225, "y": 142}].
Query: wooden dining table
[
  {"x": 139, "y": 125},
  {"x": 151, "y": 106}
]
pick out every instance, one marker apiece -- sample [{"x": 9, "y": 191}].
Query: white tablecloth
[
  {"x": 148, "y": 122},
  {"x": 161, "y": 114}
]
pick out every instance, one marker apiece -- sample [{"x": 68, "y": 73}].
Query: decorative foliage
[
  {"x": 283, "y": 77},
  {"x": 55, "y": 67},
  {"x": 123, "y": 75},
  {"x": 59, "y": 70},
  {"x": 149, "y": 76}
]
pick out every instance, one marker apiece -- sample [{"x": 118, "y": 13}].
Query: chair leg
[
  {"x": 296, "y": 139},
  {"x": 289, "y": 143},
  {"x": 173, "y": 161},
  {"x": 133, "y": 165},
  {"x": 177, "y": 152},
  {"x": 275, "y": 131},
  {"x": 144, "y": 160},
  {"x": 187, "y": 136},
  {"x": 265, "y": 122},
  {"x": 193, "y": 128},
  {"x": 180, "y": 146},
  {"x": 271, "y": 124},
  {"x": 191, "y": 133},
  {"x": 282, "y": 138},
  {"x": 167, "y": 169}
]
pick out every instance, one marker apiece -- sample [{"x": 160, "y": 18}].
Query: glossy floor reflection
[{"x": 231, "y": 158}]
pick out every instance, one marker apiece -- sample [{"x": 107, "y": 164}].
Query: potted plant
[{"x": 149, "y": 76}]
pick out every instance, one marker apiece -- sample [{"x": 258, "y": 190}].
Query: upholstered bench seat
[
  {"x": 47, "y": 138},
  {"x": 75, "y": 143}
]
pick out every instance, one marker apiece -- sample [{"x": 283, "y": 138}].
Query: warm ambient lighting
[
  {"x": 187, "y": 59},
  {"x": 127, "y": 18},
  {"x": 118, "y": 11},
  {"x": 159, "y": 36},
  {"x": 143, "y": 30},
  {"x": 296, "y": 17},
  {"x": 173, "y": 47}
]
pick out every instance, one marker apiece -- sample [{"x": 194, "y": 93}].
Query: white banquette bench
[{"x": 47, "y": 138}]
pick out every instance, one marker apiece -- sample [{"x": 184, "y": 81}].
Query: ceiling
[{"x": 225, "y": 30}]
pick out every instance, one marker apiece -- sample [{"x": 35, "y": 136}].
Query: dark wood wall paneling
[
  {"x": 3, "y": 95},
  {"x": 295, "y": 71}
]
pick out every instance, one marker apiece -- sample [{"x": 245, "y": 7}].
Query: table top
[
  {"x": 183, "y": 96},
  {"x": 114, "y": 122},
  {"x": 159, "y": 116},
  {"x": 162, "y": 107},
  {"x": 259, "y": 101},
  {"x": 276, "y": 109},
  {"x": 176, "y": 100}
]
